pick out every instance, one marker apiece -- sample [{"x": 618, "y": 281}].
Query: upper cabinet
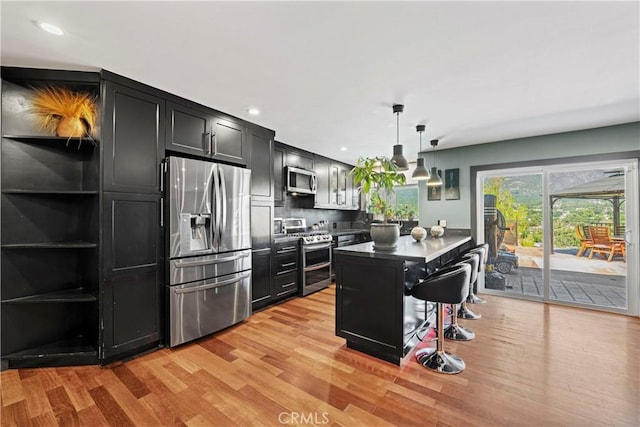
[
  {"x": 133, "y": 134},
  {"x": 189, "y": 130},
  {"x": 229, "y": 141},
  {"x": 260, "y": 162},
  {"x": 279, "y": 158},
  {"x": 299, "y": 159},
  {"x": 200, "y": 131},
  {"x": 335, "y": 185}
]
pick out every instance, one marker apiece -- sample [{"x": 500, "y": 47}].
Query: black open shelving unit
[{"x": 50, "y": 231}]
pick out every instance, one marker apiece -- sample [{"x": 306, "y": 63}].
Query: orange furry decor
[{"x": 64, "y": 112}]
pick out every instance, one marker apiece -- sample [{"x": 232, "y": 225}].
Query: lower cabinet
[
  {"x": 131, "y": 291},
  {"x": 261, "y": 278},
  {"x": 275, "y": 274},
  {"x": 286, "y": 263}
]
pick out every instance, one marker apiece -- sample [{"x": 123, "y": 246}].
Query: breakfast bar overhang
[{"x": 374, "y": 313}]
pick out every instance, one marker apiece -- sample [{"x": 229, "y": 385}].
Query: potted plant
[{"x": 376, "y": 177}]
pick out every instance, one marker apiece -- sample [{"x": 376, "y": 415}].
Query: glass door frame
[{"x": 632, "y": 216}]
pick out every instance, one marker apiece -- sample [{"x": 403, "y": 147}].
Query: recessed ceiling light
[
  {"x": 343, "y": 148},
  {"x": 50, "y": 28},
  {"x": 253, "y": 111}
]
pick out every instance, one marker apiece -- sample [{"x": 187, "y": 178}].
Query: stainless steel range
[
  {"x": 316, "y": 262},
  {"x": 315, "y": 254}
]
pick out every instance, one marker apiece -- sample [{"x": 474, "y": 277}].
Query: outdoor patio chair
[
  {"x": 582, "y": 233},
  {"x": 604, "y": 245}
]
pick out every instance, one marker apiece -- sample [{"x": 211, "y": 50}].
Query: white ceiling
[{"x": 325, "y": 74}]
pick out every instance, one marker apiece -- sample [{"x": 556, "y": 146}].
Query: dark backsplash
[{"x": 302, "y": 207}]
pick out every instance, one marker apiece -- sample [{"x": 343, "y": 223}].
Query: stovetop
[
  {"x": 306, "y": 238},
  {"x": 316, "y": 238}
]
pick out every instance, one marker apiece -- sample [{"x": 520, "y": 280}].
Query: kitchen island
[{"x": 373, "y": 311}]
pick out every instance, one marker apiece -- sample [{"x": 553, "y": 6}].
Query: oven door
[{"x": 316, "y": 267}]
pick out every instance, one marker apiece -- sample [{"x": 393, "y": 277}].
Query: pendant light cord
[{"x": 397, "y": 128}]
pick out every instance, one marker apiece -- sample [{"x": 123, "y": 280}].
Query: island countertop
[{"x": 409, "y": 249}]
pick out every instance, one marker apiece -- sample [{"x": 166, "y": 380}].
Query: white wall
[{"x": 569, "y": 144}]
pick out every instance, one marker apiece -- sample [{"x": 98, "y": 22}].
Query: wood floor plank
[
  {"x": 530, "y": 364},
  {"x": 109, "y": 407},
  {"x": 133, "y": 383},
  {"x": 11, "y": 388},
  {"x": 64, "y": 411},
  {"x": 16, "y": 414}
]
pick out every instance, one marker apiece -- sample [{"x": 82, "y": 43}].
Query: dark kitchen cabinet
[
  {"x": 229, "y": 141},
  {"x": 260, "y": 162},
  {"x": 260, "y": 278},
  {"x": 335, "y": 185},
  {"x": 279, "y": 158},
  {"x": 324, "y": 191},
  {"x": 133, "y": 135},
  {"x": 131, "y": 300},
  {"x": 299, "y": 159},
  {"x": 286, "y": 264},
  {"x": 50, "y": 229},
  {"x": 261, "y": 234},
  {"x": 189, "y": 129},
  {"x": 200, "y": 131}
]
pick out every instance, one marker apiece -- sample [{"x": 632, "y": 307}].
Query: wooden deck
[{"x": 530, "y": 364}]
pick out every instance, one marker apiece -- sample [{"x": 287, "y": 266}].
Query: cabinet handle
[
  {"x": 161, "y": 211},
  {"x": 289, "y": 264},
  {"x": 213, "y": 144},
  {"x": 287, "y": 249},
  {"x": 161, "y": 177},
  {"x": 207, "y": 142},
  {"x": 288, "y": 285}
]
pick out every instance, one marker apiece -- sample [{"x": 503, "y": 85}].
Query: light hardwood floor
[{"x": 530, "y": 364}]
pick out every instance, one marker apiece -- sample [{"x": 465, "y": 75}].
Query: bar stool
[
  {"x": 464, "y": 312},
  {"x": 447, "y": 286},
  {"x": 483, "y": 251},
  {"x": 454, "y": 331}
]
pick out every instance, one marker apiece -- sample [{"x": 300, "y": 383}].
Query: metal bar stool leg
[
  {"x": 436, "y": 358},
  {"x": 465, "y": 313},
  {"x": 456, "y": 332}
]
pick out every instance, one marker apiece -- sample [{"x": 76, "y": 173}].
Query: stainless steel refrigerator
[{"x": 209, "y": 247}]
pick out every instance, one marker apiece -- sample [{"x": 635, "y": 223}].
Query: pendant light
[
  {"x": 398, "y": 158},
  {"x": 420, "y": 172},
  {"x": 434, "y": 180}
]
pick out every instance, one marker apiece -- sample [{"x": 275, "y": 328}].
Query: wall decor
[
  {"x": 452, "y": 184},
  {"x": 435, "y": 192}
]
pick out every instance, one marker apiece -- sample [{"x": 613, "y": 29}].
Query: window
[{"x": 406, "y": 202}]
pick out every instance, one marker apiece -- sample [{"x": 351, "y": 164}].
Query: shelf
[
  {"x": 72, "y": 351},
  {"x": 51, "y": 245},
  {"x": 68, "y": 295},
  {"x": 51, "y": 192},
  {"x": 59, "y": 142}
]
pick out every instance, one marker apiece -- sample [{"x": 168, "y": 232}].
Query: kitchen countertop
[{"x": 410, "y": 250}]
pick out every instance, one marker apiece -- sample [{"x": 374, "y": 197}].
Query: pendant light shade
[
  {"x": 434, "y": 180},
  {"x": 401, "y": 162},
  {"x": 420, "y": 173}
]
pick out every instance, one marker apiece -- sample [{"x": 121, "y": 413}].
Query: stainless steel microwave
[{"x": 300, "y": 181}]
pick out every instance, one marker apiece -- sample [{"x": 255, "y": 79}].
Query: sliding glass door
[
  {"x": 565, "y": 234},
  {"x": 513, "y": 228}
]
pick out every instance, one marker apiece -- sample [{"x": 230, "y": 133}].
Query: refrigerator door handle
[
  {"x": 215, "y": 261},
  {"x": 216, "y": 284},
  {"x": 223, "y": 189},
  {"x": 215, "y": 228}
]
